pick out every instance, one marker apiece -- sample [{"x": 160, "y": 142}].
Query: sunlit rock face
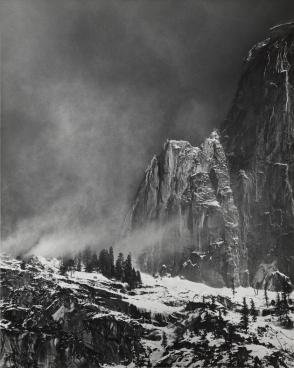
[
  {"x": 258, "y": 137},
  {"x": 186, "y": 192}
]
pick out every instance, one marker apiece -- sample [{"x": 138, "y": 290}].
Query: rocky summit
[
  {"x": 226, "y": 208},
  {"x": 187, "y": 192}
]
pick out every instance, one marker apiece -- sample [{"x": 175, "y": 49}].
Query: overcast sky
[{"x": 91, "y": 90}]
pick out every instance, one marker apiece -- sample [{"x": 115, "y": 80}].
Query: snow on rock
[
  {"x": 176, "y": 288},
  {"x": 128, "y": 327}
]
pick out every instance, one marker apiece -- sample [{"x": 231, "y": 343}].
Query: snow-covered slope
[{"x": 86, "y": 320}]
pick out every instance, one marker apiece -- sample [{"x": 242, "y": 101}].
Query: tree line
[
  {"x": 90, "y": 261},
  {"x": 281, "y": 308}
]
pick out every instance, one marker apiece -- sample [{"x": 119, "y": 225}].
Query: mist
[{"x": 92, "y": 89}]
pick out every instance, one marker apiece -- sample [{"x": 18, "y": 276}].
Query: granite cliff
[
  {"x": 258, "y": 138},
  {"x": 226, "y": 208},
  {"x": 187, "y": 193}
]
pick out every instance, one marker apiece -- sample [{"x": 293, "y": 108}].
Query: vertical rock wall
[
  {"x": 258, "y": 137},
  {"x": 186, "y": 193},
  {"x": 228, "y": 205}
]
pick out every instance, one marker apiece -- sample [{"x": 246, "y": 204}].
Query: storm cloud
[{"x": 92, "y": 89}]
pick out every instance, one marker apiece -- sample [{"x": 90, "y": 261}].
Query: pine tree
[
  {"x": 95, "y": 261},
  {"x": 103, "y": 262},
  {"x": 231, "y": 333},
  {"x": 244, "y": 316},
  {"x": 284, "y": 305},
  {"x": 278, "y": 308},
  {"x": 233, "y": 287},
  {"x": 87, "y": 259},
  {"x": 138, "y": 278},
  {"x": 265, "y": 295},
  {"x": 253, "y": 311},
  {"x": 220, "y": 325},
  {"x": 128, "y": 270},
  {"x": 78, "y": 261},
  {"x": 111, "y": 259},
  {"x": 66, "y": 264},
  {"x": 257, "y": 362},
  {"x": 286, "y": 288},
  {"x": 119, "y": 267},
  {"x": 62, "y": 268},
  {"x": 71, "y": 264},
  {"x": 23, "y": 265},
  {"x": 213, "y": 305},
  {"x": 164, "y": 339},
  {"x": 134, "y": 282}
]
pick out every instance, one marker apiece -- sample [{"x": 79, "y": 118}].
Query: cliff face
[
  {"x": 230, "y": 201},
  {"x": 258, "y": 137},
  {"x": 186, "y": 193}
]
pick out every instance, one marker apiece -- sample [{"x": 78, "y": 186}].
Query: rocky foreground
[{"x": 86, "y": 320}]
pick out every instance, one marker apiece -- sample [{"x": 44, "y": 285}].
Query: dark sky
[{"x": 91, "y": 90}]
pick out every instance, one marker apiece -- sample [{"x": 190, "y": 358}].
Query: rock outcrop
[
  {"x": 226, "y": 207},
  {"x": 50, "y": 323},
  {"x": 186, "y": 193},
  {"x": 258, "y": 137},
  {"x": 268, "y": 277}
]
